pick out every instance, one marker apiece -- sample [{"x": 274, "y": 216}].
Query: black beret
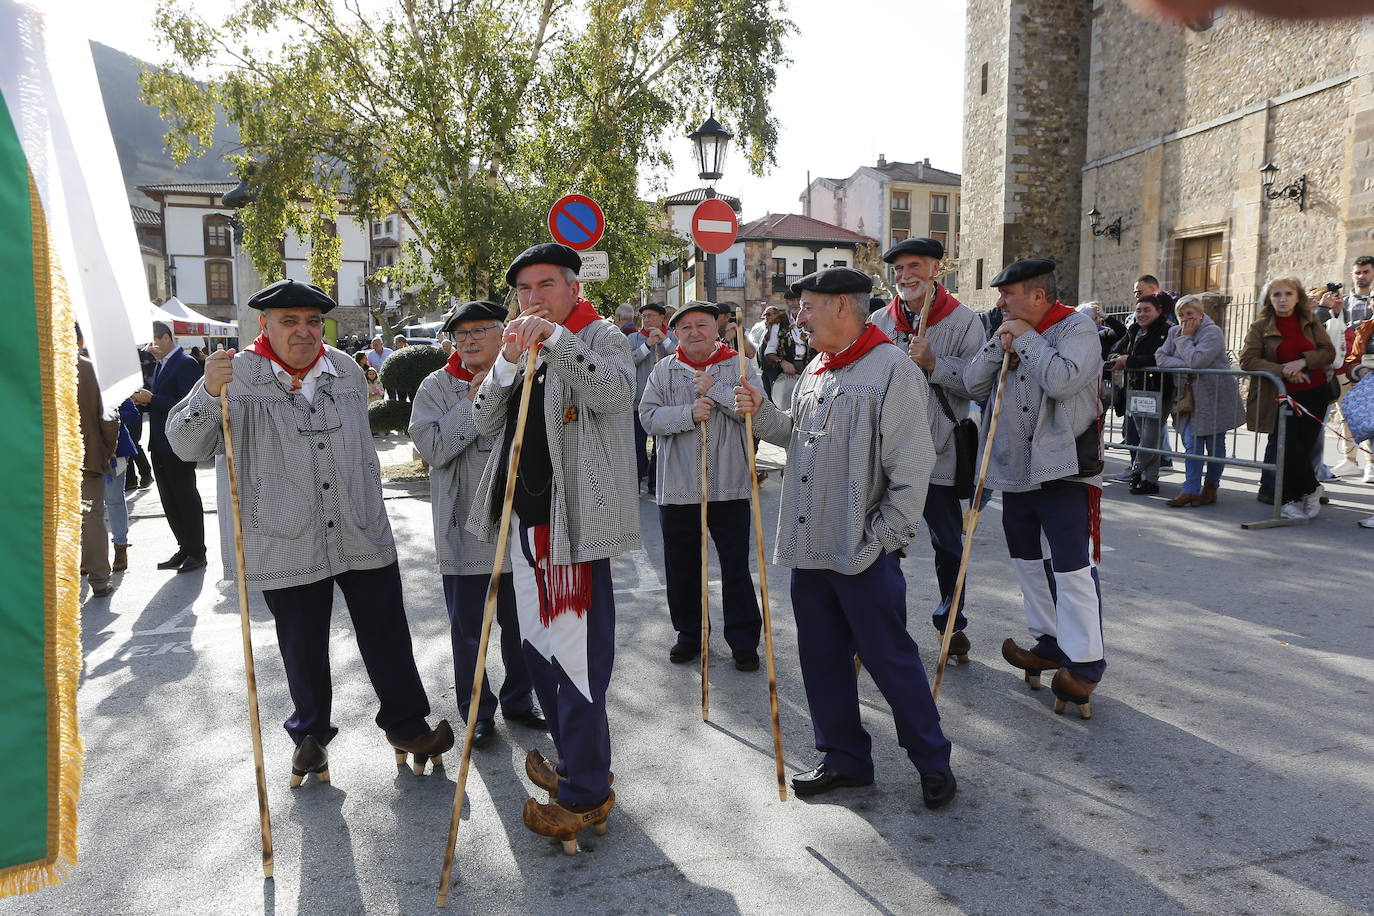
[
  {"x": 793, "y": 291},
  {"x": 545, "y": 253},
  {"x": 706, "y": 308},
  {"x": 653, "y": 307},
  {"x": 476, "y": 310},
  {"x": 292, "y": 294},
  {"x": 1024, "y": 269},
  {"x": 928, "y": 247},
  {"x": 837, "y": 280}
]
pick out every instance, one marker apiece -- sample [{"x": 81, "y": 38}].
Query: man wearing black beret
[
  {"x": 572, "y": 514},
  {"x": 1045, "y": 460},
  {"x": 650, "y": 342},
  {"x": 443, "y": 427},
  {"x": 952, "y": 336},
  {"x": 859, "y": 458},
  {"x": 313, "y": 517}
]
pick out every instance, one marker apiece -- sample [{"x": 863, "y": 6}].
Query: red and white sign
[
  {"x": 576, "y": 221},
  {"x": 714, "y": 225}
]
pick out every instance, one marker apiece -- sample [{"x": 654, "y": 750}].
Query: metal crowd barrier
[{"x": 1134, "y": 386}]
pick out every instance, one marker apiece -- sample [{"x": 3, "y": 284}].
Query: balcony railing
[{"x": 782, "y": 281}]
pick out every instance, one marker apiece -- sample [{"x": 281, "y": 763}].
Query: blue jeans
[
  {"x": 1213, "y": 445},
  {"x": 116, "y": 509}
]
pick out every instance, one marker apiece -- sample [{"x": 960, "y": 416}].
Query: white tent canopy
[{"x": 187, "y": 322}]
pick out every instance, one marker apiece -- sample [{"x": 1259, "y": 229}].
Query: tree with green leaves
[{"x": 467, "y": 118}]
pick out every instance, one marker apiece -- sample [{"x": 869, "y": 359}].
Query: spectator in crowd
[
  {"x": 1288, "y": 340},
  {"x": 786, "y": 350},
  {"x": 758, "y": 331},
  {"x": 778, "y": 327},
  {"x": 140, "y": 473},
  {"x": 1357, "y": 301},
  {"x": 649, "y": 343},
  {"x": 100, "y": 437},
  {"x": 1110, "y": 329},
  {"x": 726, "y": 324},
  {"x": 374, "y": 385},
  {"x": 1197, "y": 342},
  {"x": 378, "y": 354},
  {"x": 1330, "y": 311},
  {"x": 1357, "y": 312},
  {"x": 197, "y": 355},
  {"x": 116, "y": 509},
  {"x": 177, "y": 373},
  {"x": 361, "y": 359},
  {"x": 625, "y": 318},
  {"x": 446, "y": 347},
  {"x": 1355, "y": 368},
  {"x": 399, "y": 342},
  {"x": 1136, "y": 352}
]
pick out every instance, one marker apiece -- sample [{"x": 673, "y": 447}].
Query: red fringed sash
[{"x": 561, "y": 588}]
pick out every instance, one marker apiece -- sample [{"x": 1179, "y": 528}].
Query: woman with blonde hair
[{"x": 1288, "y": 340}]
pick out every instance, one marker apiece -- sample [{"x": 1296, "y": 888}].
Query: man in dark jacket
[
  {"x": 99, "y": 436},
  {"x": 175, "y": 376}
]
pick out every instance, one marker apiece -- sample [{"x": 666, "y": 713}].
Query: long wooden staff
[
  {"x": 763, "y": 566},
  {"x": 925, "y": 310},
  {"x": 970, "y": 525},
  {"x": 254, "y": 725},
  {"x": 493, "y": 588},
  {"x": 705, "y": 597}
]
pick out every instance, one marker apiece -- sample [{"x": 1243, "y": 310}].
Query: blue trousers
[
  {"x": 1213, "y": 445},
  {"x": 728, "y": 523},
  {"x": 945, "y": 520},
  {"x": 1049, "y": 541},
  {"x": 302, "y": 614},
  {"x": 466, "y": 597},
  {"x": 837, "y": 615},
  {"x": 578, "y": 726}
]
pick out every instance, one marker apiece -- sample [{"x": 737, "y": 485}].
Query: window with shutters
[
  {"x": 216, "y": 228},
  {"x": 219, "y": 283}
]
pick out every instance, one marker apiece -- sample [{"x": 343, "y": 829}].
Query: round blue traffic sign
[{"x": 576, "y": 221}]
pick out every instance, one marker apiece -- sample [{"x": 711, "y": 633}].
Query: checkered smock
[
  {"x": 956, "y": 339},
  {"x": 644, "y": 357},
  {"x": 444, "y": 431},
  {"x": 665, "y": 412},
  {"x": 588, "y": 403},
  {"x": 1051, "y": 397},
  {"x": 859, "y": 457},
  {"x": 309, "y": 480}
]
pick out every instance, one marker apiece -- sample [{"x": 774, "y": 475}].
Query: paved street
[{"x": 1228, "y": 768}]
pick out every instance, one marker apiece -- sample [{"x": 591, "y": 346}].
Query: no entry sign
[
  {"x": 714, "y": 225},
  {"x": 576, "y": 221}
]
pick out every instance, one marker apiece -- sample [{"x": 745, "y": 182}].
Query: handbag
[
  {"x": 965, "y": 447},
  {"x": 1358, "y": 408},
  {"x": 1184, "y": 402}
]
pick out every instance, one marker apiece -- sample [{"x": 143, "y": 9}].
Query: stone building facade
[{"x": 1176, "y": 125}]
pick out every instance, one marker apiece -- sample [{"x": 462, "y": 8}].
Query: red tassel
[
  {"x": 566, "y": 588},
  {"x": 1095, "y": 522}
]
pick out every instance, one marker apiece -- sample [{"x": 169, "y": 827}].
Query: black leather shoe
[
  {"x": 938, "y": 787},
  {"x": 746, "y": 661},
  {"x": 310, "y": 757},
  {"x": 191, "y": 563},
  {"x": 823, "y": 779},
  {"x": 483, "y": 732},
  {"x": 684, "y": 650},
  {"x": 174, "y": 560},
  {"x": 530, "y": 718},
  {"x": 1144, "y": 488}
]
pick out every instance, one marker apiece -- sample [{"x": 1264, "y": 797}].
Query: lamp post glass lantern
[
  {"x": 1112, "y": 230},
  {"x": 1295, "y": 190},
  {"x": 712, "y": 141}
]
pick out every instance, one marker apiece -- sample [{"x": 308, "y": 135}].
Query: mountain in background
[{"x": 138, "y": 130}]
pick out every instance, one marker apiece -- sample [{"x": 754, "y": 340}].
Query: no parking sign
[{"x": 576, "y": 221}]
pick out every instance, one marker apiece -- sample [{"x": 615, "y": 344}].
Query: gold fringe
[{"x": 61, "y": 552}]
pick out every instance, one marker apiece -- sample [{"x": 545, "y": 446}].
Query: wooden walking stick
[
  {"x": 970, "y": 526},
  {"x": 763, "y": 568},
  {"x": 705, "y": 597},
  {"x": 493, "y": 589},
  {"x": 254, "y": 724}
]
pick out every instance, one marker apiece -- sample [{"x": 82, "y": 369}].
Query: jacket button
[
  {"x": 581, "y": 358},
  {"x": 591, "y": 367},
  {"x": 1025, "y": 410},
  {"x": 329, "y": 524},
  {"x": 801, "y": 520},
  {"x": 326, "y": 485},
  {"x": 805, "y": 478},
  {"x": 319, "y": 445}
]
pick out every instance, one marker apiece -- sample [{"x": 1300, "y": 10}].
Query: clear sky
[{"x": 868, "y": 77}]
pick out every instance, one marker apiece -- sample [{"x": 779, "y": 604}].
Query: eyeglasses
[{"x": 475, "y": 333}]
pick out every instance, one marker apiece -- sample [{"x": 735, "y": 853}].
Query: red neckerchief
[
  {"x": 1057, "y": 313},
  {"x": 719, "y": 355},
  {"x": 582, "y": 314},
  {"x": 940, "y": 308},
  {"x": 870, "y": 338},
  {"x": 263, "y": 347},
  {"x": 455, "y": 368}
]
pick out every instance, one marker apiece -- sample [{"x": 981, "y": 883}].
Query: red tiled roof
[
  {"x": 791, "y": 227},
  {"x": 201, "y": 187},
  {"x": 696, "y": 196}
]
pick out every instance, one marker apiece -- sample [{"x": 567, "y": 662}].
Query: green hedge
[
  {"x": 387, "y": 416},
  {"x": 405, "y": 369}
]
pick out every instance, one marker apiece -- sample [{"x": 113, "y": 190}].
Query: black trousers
[
  {"x": 145, "y": 470},
  {"x": 302, "y": 614},
  {"x": 1301, "y": 433},
  {"x": 728, "y": 523},
  {"x": 176, "y": 487}
]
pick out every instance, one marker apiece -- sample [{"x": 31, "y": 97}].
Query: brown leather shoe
[
  {"x": 1027, "y": 661},
  {"x": 1070, "y": 688},
  {"x": 1184, "y": 501},
  {"x": 121, "y": 558},
  {"x": 1209, "y": 494},
  {"x": 544, "y": 774},
  {"x": 559, "y": 823},
  {"x": 427, "y": 747}
]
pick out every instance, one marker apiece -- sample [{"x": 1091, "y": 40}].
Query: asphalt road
[{"x": 1228, "y": 768}]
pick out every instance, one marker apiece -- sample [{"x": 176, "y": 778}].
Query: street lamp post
[{"x": 711, "y": 141}]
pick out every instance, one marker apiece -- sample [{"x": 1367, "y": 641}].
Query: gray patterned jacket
[
  {"x": 444, "y": 430},
  {"x": 644, "y": 357},
  {"x": 956, "y": 338},
  {"x": 310, "y": 483},
  {"x": 859, "y": 457},
  {"x": 588, "y": 399},
  {"x": 665, "y": 412},
  {"x": 1051, "y": 398}
]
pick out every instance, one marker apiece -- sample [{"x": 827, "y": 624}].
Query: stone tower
[{"x": 1025, "y": 121}]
